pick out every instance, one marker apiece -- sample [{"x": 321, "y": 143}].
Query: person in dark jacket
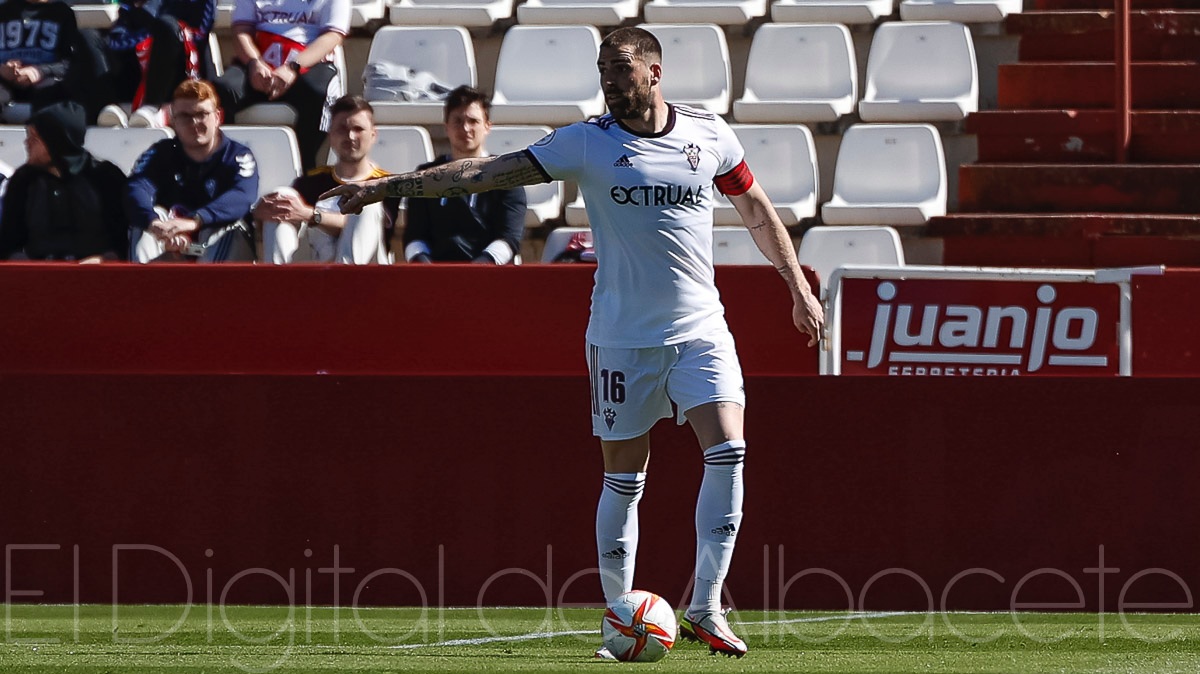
[
  {"x": 63, "y": 204},
  {"x": 44, "y": 57},
  {"x": 190, "y": 196},
  {"x": 153, "y": 46},
  {"x": 484, "y": 228}
]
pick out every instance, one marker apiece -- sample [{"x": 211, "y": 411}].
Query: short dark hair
[
  {"x": 465, "y": 95},
  {"x": 645, "y": 45},
  {"x": 352, "y": 105}
]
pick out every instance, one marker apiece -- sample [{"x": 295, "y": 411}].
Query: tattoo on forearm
[
  {"x": 411, "y": 186},
  {"x": 761, "y": 224},
  {"x": 462, "y": 170}
]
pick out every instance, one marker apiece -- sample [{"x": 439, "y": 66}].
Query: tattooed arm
[
  {"x": 772, "y": 239},
  {"x": 455, "y": 179}
]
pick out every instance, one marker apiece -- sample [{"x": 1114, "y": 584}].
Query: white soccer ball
[{"x": 639, "y": 627}]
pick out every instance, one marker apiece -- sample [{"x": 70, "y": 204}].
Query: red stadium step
[
  {"x": 1162, "y": 85},
  {"x": 1076, "y": 188},
  {"x": 1068, "y": 239},
  {"x": 1076, "y": 136},
  {"x": 1087, "y": 35}
]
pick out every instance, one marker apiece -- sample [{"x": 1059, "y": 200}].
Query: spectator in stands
[
  {"x": 190, "y": 196},
  {"x": 283, "y": 51},
  {"x": 297, "y": 227},
  {"x": 152, "y": 47},
  {"x": 485, "y": 227},
  {"x": 63, "y": 204},
  {"x": 44, "y": 58}
]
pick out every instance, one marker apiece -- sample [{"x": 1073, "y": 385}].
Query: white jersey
[
  {"x": 300, "y": 21},
  {"x": 650, "y": 200}
]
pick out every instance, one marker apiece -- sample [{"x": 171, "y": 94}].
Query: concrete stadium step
[
  {"x": 1086, "y": 240},
  {"x": 1079, "y": 188},
  {"x": 1087, "y": 35},
  {"x": 1161, "y": 85},
  {"x": 1077, "y": 136}
]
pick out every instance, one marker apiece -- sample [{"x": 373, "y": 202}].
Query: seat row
[
  {"x": 885, "y": 173},
  {"x": 795, "y": 73},
  {"x": 483, "y": 13}
]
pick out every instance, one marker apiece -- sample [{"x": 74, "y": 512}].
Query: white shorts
[{"x": 633, "y": 388}]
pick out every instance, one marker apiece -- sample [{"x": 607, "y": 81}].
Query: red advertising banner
[{"x": 939, "y": 327}]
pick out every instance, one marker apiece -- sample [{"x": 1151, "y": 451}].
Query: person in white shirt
[{"x": 657, "y": 334}]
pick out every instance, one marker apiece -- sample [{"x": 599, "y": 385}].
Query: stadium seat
[
  {"x": 827, "y": 248},
  {"x": 720, "y": 12},
  {"x": 96, "y": 15},
  {"x": 735, "y": 245},
  {"x": 545, "y": 201},
  {"x": 122, "y": 146},
  {"x": 695, "y": 65},
  {"x": 920, "y": 72},
  {"x": 576, "y": 213},
  {"x": 282, "y": 114},
  {"x": 784, "y": 162},
  {"x": 12, "y": 145},
  {"x": 275, "y": 151},
  {"x": 469, "y": 13},
  {"x": 547, "y": 75},
  {"x": 400, "y": 148},
  {"x": 888, "y": 174},
  {"x": 965, "y": 11},
  {"x": 557, "y": 240},
  {"x": 445, "y": 52},
  {"x": 799, "y": 73},
  {"x": 588, "y": 12},
  {"x": 830, "y": 11}
]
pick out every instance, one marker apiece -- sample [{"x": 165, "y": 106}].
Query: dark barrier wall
[
  {"x": 453, "y": 319},
  {"x": 884, "y": 493}
]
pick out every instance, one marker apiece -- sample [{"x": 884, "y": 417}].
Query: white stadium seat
[
  {"x": 576, "y": 213},
  {"x": 275, "y": 151},
  {"x": 799, "y": 72},
  {"x": 469, "y": 13},
  {"x": 966, "y": 11},
  {"x": 12, "y": 145},
  {"x": 547, "y": 75},
  {"x": 400, "y": 148},
  {"x": 122, "y": 146},
  {"x": 720, "y": 12},
  {"x": 544, "y": 201},
  {"x": 827, "y": 248},
  {"x": 784, "y": 161},
  {"x": 588, "y": 12},
  {"x": 557, "y": 240},
  {"x": 282, "y": 114},
  {"x": 888, "y": 174},
  {"x": 735, "y": 245},
  {"x": 696, "y": 69},
  {"x": 830, "y": 11},
  {"x": 96, "y": 15},
  {"x": 920, "y": 72},
  {"x": 445, "y": 52}
]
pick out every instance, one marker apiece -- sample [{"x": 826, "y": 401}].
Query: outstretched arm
[
  {"x": 455, "y": 179},
  {"x": 772, "y": 239}
]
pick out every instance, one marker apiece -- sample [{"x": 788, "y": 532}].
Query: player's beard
[{"x": 632, "y": 104}]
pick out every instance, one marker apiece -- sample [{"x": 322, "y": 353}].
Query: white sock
[
  {"x": 617, "y": 531},
  {"x": 718, "y": 519}
]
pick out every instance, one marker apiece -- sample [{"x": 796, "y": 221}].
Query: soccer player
[{"x": 657, "y": 333}]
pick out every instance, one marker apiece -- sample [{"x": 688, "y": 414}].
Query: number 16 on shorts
[{"x": 628, "y": 394}]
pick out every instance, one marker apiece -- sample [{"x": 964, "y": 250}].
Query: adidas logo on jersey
[
  {"x": 619, "y": 553},
  {"x": 726, "y": 530},
  {"x": 623, "y": 162}
]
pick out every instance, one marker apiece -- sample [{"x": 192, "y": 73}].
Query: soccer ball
[{"x": 639, "y": 627}]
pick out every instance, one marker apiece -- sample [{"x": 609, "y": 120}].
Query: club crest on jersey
[
  {"x": 610, "y": 417},
  {"x": 692, "y": 151}
]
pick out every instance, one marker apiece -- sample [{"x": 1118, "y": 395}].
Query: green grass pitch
[{"x": 100, "y": 638}]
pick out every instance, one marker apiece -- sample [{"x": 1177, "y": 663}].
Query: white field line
[{"x": 532, "y": 636}]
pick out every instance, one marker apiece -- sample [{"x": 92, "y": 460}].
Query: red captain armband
[{"x": 736, "y": 182}]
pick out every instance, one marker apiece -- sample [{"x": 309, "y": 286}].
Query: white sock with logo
[
  {"x": 617, "y": 531},
  {"x": 718, "y": 519}
]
